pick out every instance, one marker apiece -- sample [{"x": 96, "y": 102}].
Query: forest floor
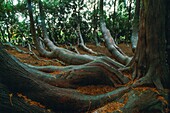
[{"x": 92, "y": 90}]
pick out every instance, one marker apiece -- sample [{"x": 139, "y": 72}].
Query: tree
[
  {"x": 53, "y": 91},
  {"x": 110, "y": 43},
  {"x": 135, "y": 29},
  {"x": 149, "y": 57}
]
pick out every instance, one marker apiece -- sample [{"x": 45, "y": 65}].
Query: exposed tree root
[
  {"x": 71, "y": 48},
  {"x": 118, "y": 54},
  {"x": 85, "y": 74},
  {"x": 145, "y": 100},
  {"x": 17, "y": 105},
  {"x": 44, "y": 88},
  {"x": 81, "y": 43},
  {"x": 149, "y": 79},
  {"x": 16, "y": 48},
  {"x": 22, "y": 79},
  {"x": 104, "y": 60},
  {"x": 36, "y": 56},
  {"x": 66, "y": 55}
]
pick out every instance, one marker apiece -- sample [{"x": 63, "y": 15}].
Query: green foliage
[
  {"x": 119, "y": 23},
  {"x": 62, "y": 18}
]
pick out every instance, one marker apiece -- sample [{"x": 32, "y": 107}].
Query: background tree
[
  {"x": 59, "y": 20},
  {"x": 110, "y": 43},
  {"x": 135, "y": 26}
]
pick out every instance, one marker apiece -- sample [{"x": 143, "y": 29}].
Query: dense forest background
[{"x": 62, "y": 18}]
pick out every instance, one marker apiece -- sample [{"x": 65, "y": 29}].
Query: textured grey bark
[
  {"x": 82, "y": 44},
  {"x": 22, "y": 79},
  {"x": 109, "y": 41}
]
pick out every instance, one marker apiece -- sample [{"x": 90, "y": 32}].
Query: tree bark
[
  {"x": 37, "y": 41},
  {"x": 42, "y": 17},
  {"x": 3, "y": 35},
  {"x": 20, "y": 79},
  {"x": 12, "y": 103},
  {"x": 81, "y": 42},
  {"x": 147, "y": 101},
  {"x": 151, "y": 57},
  {"x": 94, "y": 24},
  {"x": 110, "y": 43},
  {"x": 135, "y": 26},
  {"x": 57, "y": 52},
  {"x": 129, "y": 10},
  {"x": 167, "y": 33}
]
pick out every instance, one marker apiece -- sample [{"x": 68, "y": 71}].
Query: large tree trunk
[
  {"x": 167, "y": 28},
  {"x": 151, "y": 57}
]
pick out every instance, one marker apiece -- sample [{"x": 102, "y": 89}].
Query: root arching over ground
[{"x": 58, "y": 88}]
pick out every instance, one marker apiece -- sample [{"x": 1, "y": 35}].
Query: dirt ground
[{"x": 90, "y": 90}]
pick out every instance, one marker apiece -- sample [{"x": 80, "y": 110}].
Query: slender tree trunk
[
  {"x": 94, "y": 24},
  {"x": 110, "y": 43},
  {"x": 101, "y": 11},
  {"x": 129, "y": 10},
  {"x": 115, "y": 4},
  {"x": 8, "y": 31},
  {"x": 81, "y": 42},
  {"x": 3, "y": 35},
  {"x": 135, "y": 26},
  {"x": 55, "y": 52},
  {"x": 37, "y": 41},
  {"x": 43, "y": 25}
]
